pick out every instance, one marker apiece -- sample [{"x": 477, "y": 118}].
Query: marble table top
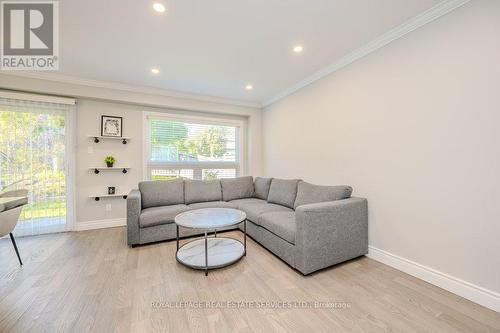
[
  {"x": 210, "y": 218},
  {"x": 7, "y": 203},
  {"x": 222, "y": 251}
]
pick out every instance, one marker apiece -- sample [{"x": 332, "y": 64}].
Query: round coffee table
[{"x": 214, "y": 252}]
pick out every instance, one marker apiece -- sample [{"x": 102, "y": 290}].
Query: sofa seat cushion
[
  {"x": 237, "y": 188},
  {"x": 282, "y": 224},
  {"x": 255, "y": 210},
  {"x": 212, "y": 204},
  {"x": 202, "y": 191},
  {"x": 160, "y": 215},
  {"x": 283, "y": 192},
  {"x": 310, "y": 193},
  {"x": 162, "y": 192},
  {"x": 240, "y": 202}
]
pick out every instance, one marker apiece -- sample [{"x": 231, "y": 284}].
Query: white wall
[
  {"x": 92, "y": 102},
  {"x": 415, "y": 128},
  {"x": 90, "y": 154}
]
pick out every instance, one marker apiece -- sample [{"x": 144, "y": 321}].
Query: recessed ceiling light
[
  {"x": 249, "y": 87},
  {"x": 159, "y": 7},
  {"x": 155, "y": 71},
  {"x": 298, "y": 49}
]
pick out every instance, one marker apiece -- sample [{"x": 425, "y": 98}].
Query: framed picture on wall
[{"x": 111, "y": 126}]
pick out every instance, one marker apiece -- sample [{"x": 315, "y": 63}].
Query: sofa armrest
[
  {"x": 330, "y": 232},
  {"x": 133, "y": 212}
]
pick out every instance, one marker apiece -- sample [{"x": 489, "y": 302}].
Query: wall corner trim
[
  {"x": 414, "y": 23},
  {"x": 472, "y": 292}
]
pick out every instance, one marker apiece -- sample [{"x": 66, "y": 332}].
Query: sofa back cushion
[
  {"x": 262, "y": 186},
  {"x": 309, "y": 193},
  {"x": 161, "y": 193},
  {"x": 283, "y": 192},
  {"x": 237, "y": 188},
  {"x": 202, "y": 191}
]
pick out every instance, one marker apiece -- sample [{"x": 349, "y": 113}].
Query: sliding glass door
[{"x": 34, "y": 155}]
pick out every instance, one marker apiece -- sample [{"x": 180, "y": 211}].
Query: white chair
[{"x": 9, "y": 218}]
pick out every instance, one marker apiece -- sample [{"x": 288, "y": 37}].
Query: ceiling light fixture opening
[
  {"x": 155, "y": 71},
  {"x": 298, "y": 49},
  {"x": 249, "y": 87},
  {"x": 159, "y": 7}
]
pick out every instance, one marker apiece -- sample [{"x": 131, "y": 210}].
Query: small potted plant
[{"x": 110, "y": 160}]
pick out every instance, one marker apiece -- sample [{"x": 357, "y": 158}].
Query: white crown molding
[
  {"x": 470, "y": 291},
  {"x": 418, "y": 21},
  {"x": 100, "y": 224},
  {"x": 61, "y": 78},
  {"x": 36, "y": 97}
]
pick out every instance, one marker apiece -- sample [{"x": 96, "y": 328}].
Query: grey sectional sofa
[{"x": 308, "y": 226}]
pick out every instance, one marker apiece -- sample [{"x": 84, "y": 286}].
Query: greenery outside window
[
  {"x": 192, "y": 148},
  {"x": 35, "y": 154}
]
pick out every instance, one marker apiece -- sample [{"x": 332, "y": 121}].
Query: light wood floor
[{"x": 91, "y": 281}]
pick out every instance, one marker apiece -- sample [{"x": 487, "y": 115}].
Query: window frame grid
[{"x": 240, "y": 154}]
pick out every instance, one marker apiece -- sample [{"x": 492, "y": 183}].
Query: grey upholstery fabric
[
  {"x": 133, "y": 213},
  {"x": 168, "y": 232},
  {"x": 254, "y": 210},
  {"x": 309, "y": 193},
  {"x": 262, "y": 186},
  {"x": 237, "y": 188},
  {"x": 160, "y": 215},
  {"x": 283, "y": 192},
  {"x": 278, "y": 246},
  {"x": 212, "y": 204},
  {"x": 164, "y": 232},
  {"x": 330, "y": 232},
  {"x": 281, "y": 224},
  {"x": 162, "y": 192},
  {"x": 252, "y": 229},
  {"x": 241, "y": 202},
  {"x": 202, "y": 191}
]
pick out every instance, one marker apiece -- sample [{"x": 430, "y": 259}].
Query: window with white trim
[{"x": 192, "y": 147}]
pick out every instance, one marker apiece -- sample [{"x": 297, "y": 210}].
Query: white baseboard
[
  {"x": 472, "y": 292},
  {"x": 100, "y": 224}
]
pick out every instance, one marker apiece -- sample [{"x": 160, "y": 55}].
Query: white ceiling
[{"x": 217, "y": 47}]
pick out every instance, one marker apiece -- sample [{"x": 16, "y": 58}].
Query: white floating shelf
[
  {"x": 98, "y": 138},
  {"x": 104, "y": 196},
  {"x": 99, "y": 169}
]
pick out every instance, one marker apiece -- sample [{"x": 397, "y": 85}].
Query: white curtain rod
[{"x": 36, "y": 97}]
